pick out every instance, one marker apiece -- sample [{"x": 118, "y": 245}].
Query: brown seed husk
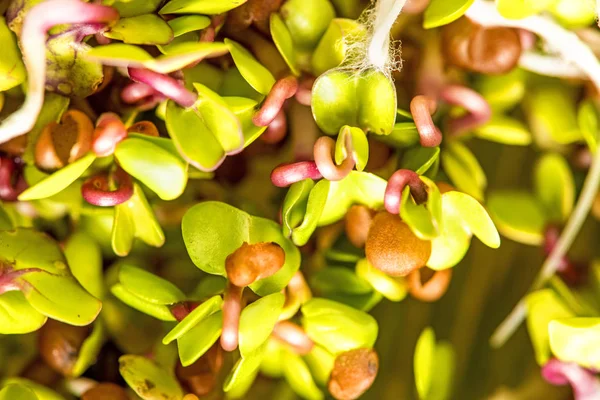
[
  {"x": 59, "y": 345},
  {"x": 353, "y": 373},
  {"x": 358, "y": 222},
  {"x": 105, "y": 391},
  {"x": 252, "y": 262},
  {"x": 393, "y": 248}
]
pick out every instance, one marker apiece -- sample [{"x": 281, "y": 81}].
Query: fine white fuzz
[{"x": 386, "y": 12}]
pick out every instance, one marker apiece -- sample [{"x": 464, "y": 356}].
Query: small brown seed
[
  {"x": 393, "y": 248},
  {"x": 144, "y": 127},
  {"x": 59, "y": 345},
  {"x": 105, "y": 391},
  {"x": 358, "y": 222},
  {"x": 252, "y": 262},
  {"x": 353, "y": 373}
]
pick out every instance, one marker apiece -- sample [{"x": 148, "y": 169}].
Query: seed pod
[
  {"x": 485, "y": 50},
  {"x": 201, "y": 376},
  {"x": 358, "y": 222},
  {"x": 393, "y": 248},
  {"x": 59, "y": 345},
  {"x": 105, "y": 391},
  {"x": 252, "y": 262},
  {"x": 61, "y": 144},
  {"x": 353, "y": 373}
]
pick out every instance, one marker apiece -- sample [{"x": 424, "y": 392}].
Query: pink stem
[
  {"x": 479, "y": 111},
  {"x": 304, "y": 93},
  {"x": 135, "y": 92},
  {"x": 96, "y": 190},
  {"x": 164, "y": 84},
  {"x": 37, "y": 22},
  {"x": 415, "y": 6},
  {"x": 324, "y": 147},
  {"x": 232, "y": 308},
  {"x": 8, "y": 169},
  {"x": 8, "y": 278},
  {"x": 282, "y": 90},
  {"x": 277, "y": 129},
  {"x": 287, "y": 174},
  {"x": 109, "y": 131},
  {"x": 396, "y": 185},
  {"x": 584, "y": 383},
  {"x": 421, "y": 108},
  {"x": 294, "y": 336}
]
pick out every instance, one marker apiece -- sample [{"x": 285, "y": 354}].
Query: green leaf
[
  {"x": 334, "y": 43},
  {"x": 272, "y": 362},
  {"x": 196, "y": 341},
  {"x": 123, "y": 230},
  {"x": 424, "y": 362},
  {"x": 518, "y": 9},
  {"x": 61, "y": 298},
  {"x": 295, "y": 205},
  {"x": 307, "y": 20},
  {"x": 12, "y": 70},
  {"x": 283, "y": 41},
  {"x": 360, "y": 146},
  {"x": 299, "y": 377},
  {"x": 443, "y": 12},
  {"x": 244, "y": 368},
  {"x": 85, "y": 261},
  {"x": 5, "y": 220},
  {"x": 180, "y": 55},
  {"x": 42, "y": 392},
  {"x": 474, "y": 216},
  {"x": 404, "y": 134},
  {"x": 576, "y": 340},
  {"x": 253, "y": 72},
  {"x": 503, "y": 92},
  {"x": 464, "y": 170},
  {"x": 148, "y": 286},
  {"x": 147, "y": 227},
  {"x": 17, "y": 392},
  {"x": 357, "y": 188},
  {"x": 394, "y": 289},
  {"x": 131, "y": 8},
  {"x": 554, "y": 186},
  {"x": 314, "y": 207},
  {"x": 573, "y": 13},
  {"x": 25, "y": 248},
  {"x": 442, "y": 381},
  {"x": 244, "y": 110},
  {"x": 418, "y": 217},
  {"x": 334, "y": 101},
  {"x": 17, "y": 316},
  {"x": 341, "y": 280},
  {"x": 209, "y": 7},
  {"x": 420, "y": 159},
  {"x": 148, "y": 379},
  {"x": 145, "y": 29},
  {"x": 377, "y": 105},
  {"x": 257, "y": 322},
  {"x": 161, "y": 312},
  {"x": 506, "y": 130},
  {"x": 164, "y": 173},
  {"x": 338, "y": 327},
  {"x": 518, "y": 216},
  {"x": 320, "y": 362},
  {"x": 209, "y": 286},
  {"x": 59, "y": 180},
  {"x": 88, "y": 353},
  {"x": 188, "y": 23},
  {"x": 213, "y": 230},
  {"x": 203, "y": 311},
  {"x": 543, "y": 307},
  {"x": 589, "y": 123}
]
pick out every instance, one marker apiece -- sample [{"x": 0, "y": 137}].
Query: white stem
[
  {"x": 549, "y": 65},
  {"x": 572, "y": 50},
  {"x": 386, "y": 12}
]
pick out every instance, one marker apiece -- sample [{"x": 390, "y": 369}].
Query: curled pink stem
[
  {"x": 232, "y": 308},
  {"x": 287, "y": 174},
  {"x": 294, "y": 336},
  {"x": 164, "y": 84},
  {"x": 304, "y": 93},
  {"x": 9, "y": 191},
  {"x": 584, "y": 383},
  {"x": 324, "y": 147},
  {"x": 479, "y": 111},
  {"x": 277, "y": 129},
  {"x": 135, "y": 92},
  {"x": 421, "y": 108},
  {"x": 96, "y": 190},
  {"x": 37, "y": 22},
  {"x": 396, "y": 185},
  {"x": 109, "y": 131},
  {"x": 282, "y": 90}
]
